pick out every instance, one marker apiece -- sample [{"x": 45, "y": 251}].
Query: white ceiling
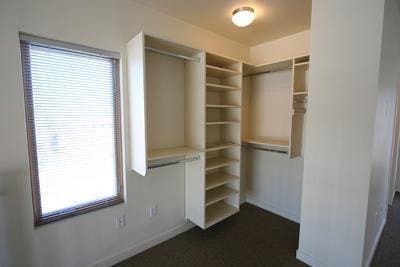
[{"x": 274, "y": 18}]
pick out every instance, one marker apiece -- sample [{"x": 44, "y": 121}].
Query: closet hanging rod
[
  {"x": 266, "y": 149},
  {"x": 195, "y": 59},
  {"x": 265, "y": 72},
  {"x": 173, "y": 162}
]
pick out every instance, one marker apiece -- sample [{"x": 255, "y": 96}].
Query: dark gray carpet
[
  {"x": 388, "y": 251},
  {"x": 253, "y": 237}
]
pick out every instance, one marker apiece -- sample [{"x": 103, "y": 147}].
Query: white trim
[
  {"x": 142, "y": 246},
  {"x": 375, "y": 244},
  {"x": 308, "y": 259},
  {"x": 288, "y": 215}
]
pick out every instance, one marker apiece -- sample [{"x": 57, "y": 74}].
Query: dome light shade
[{"x": 243, "y": 16}]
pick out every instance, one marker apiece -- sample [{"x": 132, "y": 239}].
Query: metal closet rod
[
  {"x": 266, "y": 72},
  {"x": 266, "y": 149},
  {"x": 195, "y": 59},
  {"x": 173, "y": 162}
]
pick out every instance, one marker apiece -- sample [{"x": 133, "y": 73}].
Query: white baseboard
[
  {"x": 308, "y": 259},
  {"x": 273, "y": 209},
  {"x": 140, "y": 247},
  {"x": 375, "y": 244}
]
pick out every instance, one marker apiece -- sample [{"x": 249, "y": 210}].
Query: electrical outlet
[
  {"x": 153, "y": 211},
  {"x": 120, "y": 221}
]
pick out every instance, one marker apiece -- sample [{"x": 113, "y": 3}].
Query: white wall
[
  {"x": 83, "y": 240},
  {"x": 380, "y": 182},
  {"x": 290, "y": 46},
  {"x": 345, "y": 52}
]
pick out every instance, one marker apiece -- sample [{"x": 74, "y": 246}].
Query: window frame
[{"x": 25, "y": 41}]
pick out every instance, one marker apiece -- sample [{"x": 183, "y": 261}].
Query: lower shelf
[
  {"x": 165, "y": 153},
  {"x": 268, "y": 144},
  {"x": 218, "y": 212}
]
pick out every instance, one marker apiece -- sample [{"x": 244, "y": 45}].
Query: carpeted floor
[
  {"x": 388, "y": 251},
  {"x": 253, "y": 237}
]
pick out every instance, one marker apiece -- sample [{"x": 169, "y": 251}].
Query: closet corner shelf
[
  {"x": 218, "y": 212},
  {"x": 157, "y": 154},
  {"x": 221, "y": 122},
  {"x": 300, "y": 93},
  {"x": 222, "y": 106},
  {"x": 219, "y": 72},
  {"x": 221, "y": 88},
  {"x": 216, "y": 179},
  {"x": 219, "y": 162},
  {"x": 219, "y": 146},
  {"x": 218, "y": 194},
  {"x": 268, "y": 144}
]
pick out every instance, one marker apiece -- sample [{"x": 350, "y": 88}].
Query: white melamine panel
[
  {"x": 274, "y": 182},
  {"x": 195, "y": 191},
  {"x": 195, "y": 110},
  {"x": 137, "y": 103},
  {"x": 270, "y": 106}
]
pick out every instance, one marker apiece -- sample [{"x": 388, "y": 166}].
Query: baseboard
[
  {"x": 375, "y": 244},
  {"x": 140, "y": 247},
  {"x": 290, "y": 216},
  {"x": 308, "y": 259}
]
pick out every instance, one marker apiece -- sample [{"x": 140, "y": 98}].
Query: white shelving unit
[
  {"x": 186, "y": 105},
  {"x": 275, "y": 98},
  {"x": 163, "y": 78},
  {"x": 223, "y": 135}
]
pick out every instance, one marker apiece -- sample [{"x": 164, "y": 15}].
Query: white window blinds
[{"x": 72, "y": 105}]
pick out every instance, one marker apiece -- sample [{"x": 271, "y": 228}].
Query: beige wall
[
  {"x": 85, "y": 239},
  {"x": 290, "y": 46},
  {"x": 345, "y": 53}
]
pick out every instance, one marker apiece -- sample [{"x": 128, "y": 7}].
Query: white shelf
[
  {"x": 300, "y": 93},
  {"x": 215, "y": 163},
  {"x": 302, "y": 63},
  {"x": 219, "y": 146},
  {"x": 165, "y": 153},
  {"x": 269, "y": 144},
  {"x": 219, "y": 178},
  {"x": 221, "y": 106},
  {"x": 221, "y": 122},
  {"x": 221, "y": 88},
  {"x": 219, "y": 193},
  {"x": 219, "y": 72},
  {"x": 218, "y": 212}
]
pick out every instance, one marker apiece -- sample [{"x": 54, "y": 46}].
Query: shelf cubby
[
  {"x": 219, "y": 72},
  {"x": 219, "y": 178},
  {"x": 219, "y": 193},
  {"x": 218, "y": 212},
  {"x": 219, "y": 146},
  {"x": 219, "y": 162}
]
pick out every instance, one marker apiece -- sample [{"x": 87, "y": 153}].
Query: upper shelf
[
  {"x": 219, "y": 72},
  {"x": 157, "y": 154},
  {"x": 278, "y": 145},
  {"x": 286, "y": 64},
  {"x": 221, "y": 88}
]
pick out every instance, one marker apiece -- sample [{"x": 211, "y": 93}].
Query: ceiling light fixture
[{"x": 243, "y": 16}]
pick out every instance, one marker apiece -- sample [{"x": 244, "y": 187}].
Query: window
[{"x": 72, "y": 104}]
